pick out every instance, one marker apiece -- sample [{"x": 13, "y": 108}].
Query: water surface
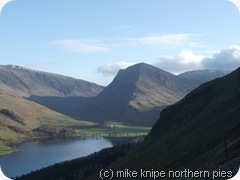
[{"x": 37, "y": 154}]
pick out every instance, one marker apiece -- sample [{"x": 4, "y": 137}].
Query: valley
[
  {"x": 119, "y": 90},
  {"x": 199, "y": 133},
  {"x": 35, "y": 104}
]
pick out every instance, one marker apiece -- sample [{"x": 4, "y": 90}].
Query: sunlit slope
[
  {"x": 17, "y": 87},
  {"x": 38, "y": 83},
  {"x": 31, "y": 114}
]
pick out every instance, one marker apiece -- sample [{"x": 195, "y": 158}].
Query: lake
[{"x": 37, "y": 154}]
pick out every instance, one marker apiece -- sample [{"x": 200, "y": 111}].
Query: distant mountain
[
  {"x": 202, "y": 76},
  {"x": 31, "y": 82},
  {"x": 29, "y": 100},
  {"x": 137, "y": 94},
  {"x": 200, "y": 132}
]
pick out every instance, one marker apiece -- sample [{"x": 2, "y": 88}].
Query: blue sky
[{"x": 93, "y": 39}]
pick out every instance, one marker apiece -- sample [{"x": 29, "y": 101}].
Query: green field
[
  {"x": 77, "y": 128},
  {"x": 5, "y": 150},
  {"x": 89, "y": 129},
  {"x": 115, "y": 129}
]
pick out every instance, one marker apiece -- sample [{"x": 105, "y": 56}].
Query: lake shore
[
  {"x": 5, "y": 150},
  {"x": 37, "y": 154},
  {"x": 8, "y": 149}
]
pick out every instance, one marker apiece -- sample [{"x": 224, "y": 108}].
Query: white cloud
[
  {"x": 107, "y": 44},
  {"x": 186, "y": 60},
  {"x": 112, "y": 69},
  {"x": 228, "y": 59},
  {"x": 168, "y": 40},
  {"x": 80, "y": 46}
]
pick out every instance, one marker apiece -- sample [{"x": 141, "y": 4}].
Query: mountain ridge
[
  {"x": 138, "y": 92},
  {"x": 31, "y": 82},
  {"x": 203, "y": 76}
]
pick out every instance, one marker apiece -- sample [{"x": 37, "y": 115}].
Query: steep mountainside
[
  {"x": 32, "y": 82},
  {"x": 202, "y": 76},
  {"x": 200, "y": 132},
  {"x": 137, "y": 94}
]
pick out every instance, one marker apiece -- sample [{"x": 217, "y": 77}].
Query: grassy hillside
[
  {"x": 200, "y": 132},
  {"x": 21, "y": 118},
  {"x": 33, "y": 116}
]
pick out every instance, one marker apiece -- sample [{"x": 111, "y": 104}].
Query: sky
[{"x": 93, "y": 39}]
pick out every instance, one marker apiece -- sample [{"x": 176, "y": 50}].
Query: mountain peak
[
  {"x": 141, "y": 67},
  {"x": 141, "y": 91}
]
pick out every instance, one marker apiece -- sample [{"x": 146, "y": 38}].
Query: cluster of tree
[
  {"x": 12, "y": 115},
  {"x": 80, "y": 168},
  {"x": 53, "y": 131}
]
